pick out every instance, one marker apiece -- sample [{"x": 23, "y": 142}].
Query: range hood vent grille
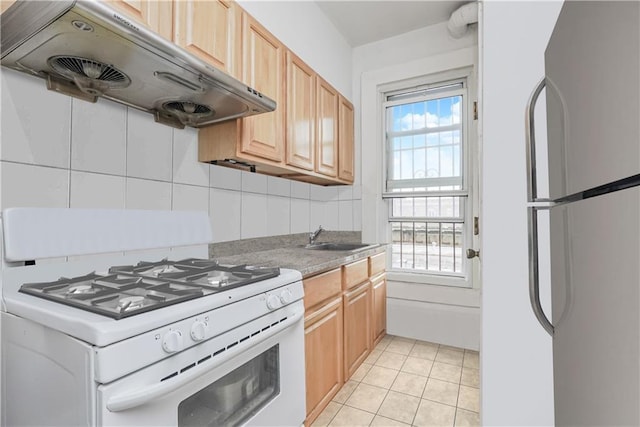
[
  {"x": 189, "y": 108},
  {"x": 74, "y": 66}
]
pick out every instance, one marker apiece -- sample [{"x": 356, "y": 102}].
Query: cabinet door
[
  {"x": 156, "y": 15},
  {"x": 357, "y": 327},
  {"x": 327, "y": 129},
  {"x": 345, "y": 140},
  {"x": 209, "y": 30},
  {"x": 4, "y": 4},
  {"x": 379, "y": 322},
  {"x": 263, "y": 69},
  {"x": 323, "y": 356},
  {"x": 301, "y": 111}
]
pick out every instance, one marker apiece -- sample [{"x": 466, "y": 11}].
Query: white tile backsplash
[
  {"x": 34, "y": 186},
  {"x": 190, "y": 198},
  {"x": 186, "y": 168},
  {"x": 300, "y": 190},
  {"x": 105, "y": 155},
  {"x": 278, "y": 215},
  {"x": 254, "y": 183},
  {"x": 98, "y": 136},
  {"x": 99, "y": 191},
  {"x": 345, "y": 192},
  {"x": 345, "y": 215},
  {"x": 225, "y": 209},
  {"x": 254, "y": 215},
  {"x": 147, "y": 194},
  {"x": 300, "y": 216},
  {"x": 228, "y": 178},
  {"x": 278, "y": 186},
  {"x": 47, "y": 143},
  {"x": 332, "y": 221},
  {"x": 149, "y": 147}
]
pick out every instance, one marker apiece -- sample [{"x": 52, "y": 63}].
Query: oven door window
[{"x": 237, "y": 396}]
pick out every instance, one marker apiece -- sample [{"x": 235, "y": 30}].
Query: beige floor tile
[
  {"x": 466, "y": 418},
  {"x": 379, "y": 421},
  {"x": 348, "y": 416},
  {"x": 384, "y": 342},
  {"x": 373, "y": 356},
  {"x": 424, "y": 351},
  {"x": 380, "y": 377},
  {"x": 441, "y": 391},
  {"x": 413, "y": 365},
  {"x": 446, "y": 372},
  {"x": 391, "y": 360},
  {"x": 434, "y": 414},
  {"x": 345, "y": 391},
  {"x": 367, "y": 398},
  {"x": 360, "y": 373},
  {"x": 450, "y": 347},
  {"x": 399, "y": 407},
  {"x": 327, "y": 415},
  {"x": 400, "y": 346},
  {"x": 469, "y": 398},
  {"x": 471, "y": 360},
  {"x": 452, "y": 357},
  {"x": 470, "y": 377},
  {"x": 409, "y": 384}
]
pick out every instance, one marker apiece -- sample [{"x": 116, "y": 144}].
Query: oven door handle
[{"x": 143, "y": 395}]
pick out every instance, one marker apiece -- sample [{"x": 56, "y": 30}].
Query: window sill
[{"x": 428, "y": 279}]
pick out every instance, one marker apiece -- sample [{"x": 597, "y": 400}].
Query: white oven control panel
[{"x": 116, "y": 360}]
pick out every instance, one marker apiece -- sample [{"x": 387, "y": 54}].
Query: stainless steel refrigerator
[{"x": 592, "y": 80}]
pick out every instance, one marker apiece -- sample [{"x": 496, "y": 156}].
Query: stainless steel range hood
[{"x": 88, "y": 50}]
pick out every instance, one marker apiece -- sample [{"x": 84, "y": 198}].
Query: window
[{"x": 426, "y": 178}]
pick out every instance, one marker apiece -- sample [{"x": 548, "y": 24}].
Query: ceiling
[{"x": 366, "y": 21}]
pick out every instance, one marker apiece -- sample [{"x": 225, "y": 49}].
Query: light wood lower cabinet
[
  {"x": 323, "y": 356},
  {"x": 345, "y": 312},
  {"x": 357, "y": 327},
  {"x": 379, "y": 315}
]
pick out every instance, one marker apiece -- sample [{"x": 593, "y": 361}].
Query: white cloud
[{"x": 418, "y": 121}]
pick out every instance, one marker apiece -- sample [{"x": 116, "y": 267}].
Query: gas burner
[
  {"x": 129, "y": 290},
  {"x": 81, "y": 289},
  {"x": 130, "y": 303}
]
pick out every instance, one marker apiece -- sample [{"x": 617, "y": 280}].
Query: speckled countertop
[{"x": 288, "y": 252}]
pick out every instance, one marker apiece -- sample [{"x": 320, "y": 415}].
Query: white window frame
[{"x": 465, "y": 280}]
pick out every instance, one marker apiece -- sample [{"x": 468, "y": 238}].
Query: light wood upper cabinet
[
  {"x": 345, "y": 140},
  {"x": 154, "y": 14},
  {"x": 263, "y": 70},
  {"x": 4, "y": 4},
  {"x": 301, "y": 110},
  {"x": 209, "y": 30},
  {"x": 327, "y": 129}
]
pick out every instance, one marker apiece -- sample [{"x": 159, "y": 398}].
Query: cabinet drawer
[
  {"x": 377, "y": 263},
  {"x": 321, "y": 287},
  {"x": 355, "y": 273}
]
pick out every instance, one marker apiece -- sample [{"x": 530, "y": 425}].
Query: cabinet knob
[{"x": 472, "y": 253}]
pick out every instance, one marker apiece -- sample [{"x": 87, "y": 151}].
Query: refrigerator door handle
[
  {"x": 530, "y": 135},
  {"x": 534, "y": 277}
]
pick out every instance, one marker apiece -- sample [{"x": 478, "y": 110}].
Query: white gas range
[{"x": 155, "y": 335}]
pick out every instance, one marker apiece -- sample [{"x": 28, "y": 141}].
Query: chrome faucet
[{"x": 314, "y": 235}]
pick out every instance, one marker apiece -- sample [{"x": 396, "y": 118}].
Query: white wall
[
  {"x": 306, "y": 30},
  {"x": 61, "y": 152},
  {"x": 424, "y": 311},
  {"x": 516, "y": 364}
]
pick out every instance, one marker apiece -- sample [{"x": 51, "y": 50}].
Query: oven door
[{"x": 251, "y": 375}]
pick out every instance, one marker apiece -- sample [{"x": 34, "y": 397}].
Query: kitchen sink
[{"x": 338, "y": 246}]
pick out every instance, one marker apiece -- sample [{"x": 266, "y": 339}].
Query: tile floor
[{"x": 406, "y": 382}]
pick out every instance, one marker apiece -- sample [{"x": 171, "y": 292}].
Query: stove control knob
[
  {"x": 172, "y": 341},
  {"x": 198, "y": 330},
  {"x": 273, "y": 302},
  {"x": 286, "y": 296}
]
